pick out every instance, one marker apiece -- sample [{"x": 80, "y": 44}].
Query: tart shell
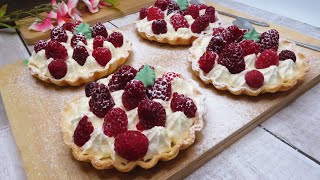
[
  {"x": 110, "y": 68},
  {"x": 109, "y": 163},
  {"x": 176, "y": 41},
  {"x": 284, "y": 86}
]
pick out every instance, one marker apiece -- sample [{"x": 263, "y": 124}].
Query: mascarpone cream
[
  {"x": 161, "y": 139},
  {"x": 220, "y": 76},
  {"x": 39, "y": 61}
]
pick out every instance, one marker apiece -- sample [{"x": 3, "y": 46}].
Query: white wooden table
[{"x": 287, "y": 146}]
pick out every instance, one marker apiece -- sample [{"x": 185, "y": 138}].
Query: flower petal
[
  {"x": 43, "y": 26},
  {"x": 53, "y": 2},
  {"x": 72, "y": 3},
  {"x": 52, "y": 15},
  {"x": 62, "y": 9},
  {"x": 103, "y": 3},
  {"x": 92, "y": 5}
]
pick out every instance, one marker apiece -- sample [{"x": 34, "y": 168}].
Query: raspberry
[
  {"x": 254, "y": 79},
  {"x": 207, "y": 60},
  {"x": 56, "y": 50},
  {"x": 218, "y": 31},
  {"x": 82, "y": 132},
  {"x": 102, "y": 55},
  {"x": 69, "y": 27},
  {"x": 91, "y": 88},
  {"x": 143, "y": 13},
  {"x": 159, "y": 26},
  {"x": 154, "y": 13},
  {"x": 269, "y": 40},
  {"x": 160, "y": 90},
  {"x": 182, "y": 103},
  {"x": 162, "y": 4},
  {"x": 150, "y": 114},
  {"x": 169, "y": 76},
  {"x": 116, "y": 39},
  {"x": 59, "y": 34},
  {"x": 120, "y": 79},
  {"x": 173, "y": 8},
  {"x": 141, "y": 67},
  {"x": 232, "y": 58},
  {"x": 178, "y": 21},
  {"x": 77, "y": 38},
  {"x": 266, "y": 59},
  {"x": 98, "y": 41},
  {"x": 58, "y": 68},
  {"x": 202, "y": 6},
  {"x": 200, "y": 24},
  {"x": 115, "y": 122},
  {"x": 101, "y": 101},
  {"x": 134, "y": 92},
  {"x": 131, "y": 145},
  {"x": 99, "y": 29},
  {"x": 210, "y": 11},
  {"x": 193, "y": 11},
  {"x": 42, "y": 44},
  {"x": 249, "y": 47},
  {"x": 232, "y": 34},
  {"x": 216, "y": 44},
  {"x": 80, "y": 54},
  {"x": 287, "y": 54}
]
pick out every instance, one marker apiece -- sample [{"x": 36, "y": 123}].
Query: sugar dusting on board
[{"x": 35, "y": 107}]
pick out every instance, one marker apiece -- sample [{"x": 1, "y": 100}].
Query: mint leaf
[
  {"x": 252, "y": 35},
  {"x": 146, "y": 75},
  {"x": 183, "y": 4},
  {"x": 3, "y": 10},
  {"x": 85, "y": 29},
  {"x": 25, "y": 62}
]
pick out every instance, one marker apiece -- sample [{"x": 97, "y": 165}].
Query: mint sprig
[
  {"x": 25, "y": 62},
  {"x": 85, "y": 29},
  {"x": 183, "y": 4},
  {"x": 146, "y": 75},
  {"x": 252, "y": 35}
]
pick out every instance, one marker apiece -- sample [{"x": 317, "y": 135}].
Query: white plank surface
[
  {"x": 299, "y": 123},
  {"x": 12, "y": 49},
  {"x": 258, "y": 155},
  {"x": 295, "y": 9},
  {"x": 244, "y": 160}
]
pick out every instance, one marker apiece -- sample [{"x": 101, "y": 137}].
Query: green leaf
[
  {"x": 85, "y": 29},
  {"x": 252, "y": 35},
  {"x": 6, "y": 25},
  {"x": 25, "y": 62},
  {"x": 146, "y": 75},
  {"x": 3, "y": 10},
  {"x": 183, "y": 4}
]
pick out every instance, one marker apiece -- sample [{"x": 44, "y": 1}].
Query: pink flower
[
  {"x": 92, "y": 5},
  {"x": 73, "y": 12},
  {"x": 44, "y": 25},
  {"x": 67, "y": 12}
]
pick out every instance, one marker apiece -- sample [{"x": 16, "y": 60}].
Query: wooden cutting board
[
  {"x": 33, "y": 109},
  {"x": 104, "y": 14}
]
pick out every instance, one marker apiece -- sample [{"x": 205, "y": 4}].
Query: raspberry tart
[
  {"x": 76, "y": 54},
  {"x": 176, "y": 24},
  {"x": 246, "y": 62},
  {"x": 133, "y": 118}
]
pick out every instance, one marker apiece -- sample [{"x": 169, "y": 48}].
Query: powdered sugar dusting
[{"x": 35, "y": 118}]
